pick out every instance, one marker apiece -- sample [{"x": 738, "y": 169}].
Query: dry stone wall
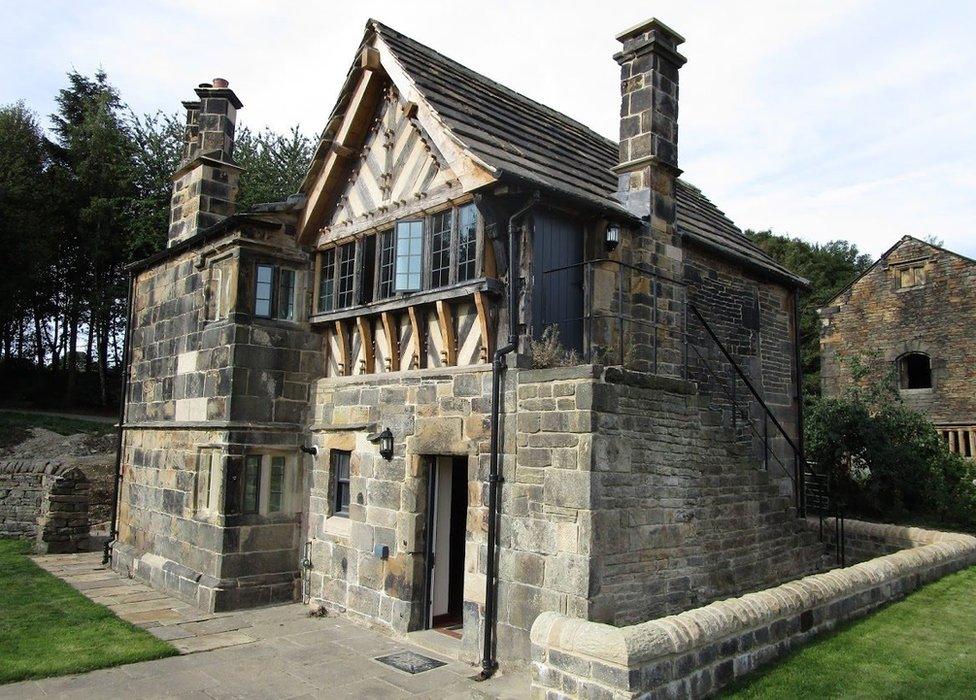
[
  {"x": 46, "y": 502},
  {"x": 696, "y": 653}
]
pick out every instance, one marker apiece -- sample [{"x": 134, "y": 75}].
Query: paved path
[{"x": 275, "y": 652}]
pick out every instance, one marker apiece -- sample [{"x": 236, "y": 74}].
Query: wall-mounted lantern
[
  {"x": 613, "y": 237},
  {"x": 385, "y": 440}
]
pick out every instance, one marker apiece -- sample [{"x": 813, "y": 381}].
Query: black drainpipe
[
  {"x": 113, "y": 532},
  {"x": 801, "y": 496},
  {"x": 489, "y": 664}
]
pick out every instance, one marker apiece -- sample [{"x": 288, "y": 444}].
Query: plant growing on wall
[{"x": 548, "y": 350}]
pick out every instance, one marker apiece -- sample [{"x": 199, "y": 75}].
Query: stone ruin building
[
  {"x": 915, "y": 308},
  {"x": 346, "y": 397}
]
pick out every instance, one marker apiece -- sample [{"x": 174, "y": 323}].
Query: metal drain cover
[{"x": 410, "y": 662}]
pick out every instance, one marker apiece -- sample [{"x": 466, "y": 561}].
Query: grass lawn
[
  {"x": 921, "y": 647},
  {"x": 47, "y": 628},
  {"x": 14, "y": 425}
]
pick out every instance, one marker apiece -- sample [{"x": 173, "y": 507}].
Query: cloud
[{"x": 835, "y": 119}]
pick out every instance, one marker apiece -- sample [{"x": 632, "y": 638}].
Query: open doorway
[{"x": 447, "y": 505}]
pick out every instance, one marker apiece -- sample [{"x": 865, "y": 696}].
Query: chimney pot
[
  {"x": 220, "y": 83},
  {"x": 205, "y": 85}
]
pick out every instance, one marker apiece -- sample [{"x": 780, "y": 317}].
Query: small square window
[
  {"x": 911, "y": 276},
  {"x": 340, "y": 477}
]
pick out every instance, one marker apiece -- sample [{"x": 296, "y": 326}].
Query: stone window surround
[{"x": 275, "y": 301}]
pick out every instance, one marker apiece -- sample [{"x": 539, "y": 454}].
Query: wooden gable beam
[
  {"x": 343, "y": 340},
  {"x": 392, "y": 334},
  {"x": 445, "y": 319},
  {"x": 484, "y": 322},
  {"x": 352, "y": 130},
  {"x": 366, "y": 338},
  {"x": 416, "y": 317},
  {"x": 470, "y": 170}
]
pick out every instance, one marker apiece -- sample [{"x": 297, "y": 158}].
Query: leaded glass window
[
  {"x": 467, "y": 247},
  {"x": 327, "y": 280},
  {"x": 346, "y": 276},
  {"x": 386, "y": 262},
  {"x": 276, "y": 484},
  {"x": 440, "y": 249},
  {"x": 286, "y": 294},
  {"x": 263, "y": 288},
  {"x": 252, "y": 483},
  {"x": 409, "y": 255}
]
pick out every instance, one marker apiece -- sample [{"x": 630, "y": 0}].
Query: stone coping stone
[
  {"x": 36, "y": 466},
  {"x": 637, "y": 645},
  {"x": 406, "y": 376}
]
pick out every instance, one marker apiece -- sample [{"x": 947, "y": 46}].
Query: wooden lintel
[
  {"x": 392, "y": 334},
  {"x": 416, "y": 317},
  {"x": 343, "y": 340},
  {"x": 445, "y": 320},
  {"x": 366, "y": 338},
  {"x": 484, "y": 321}
]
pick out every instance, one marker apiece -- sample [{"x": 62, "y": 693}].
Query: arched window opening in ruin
[{"x": 915, "y": 371}]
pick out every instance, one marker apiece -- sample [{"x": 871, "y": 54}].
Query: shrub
[{"x": 887, "y": 461}]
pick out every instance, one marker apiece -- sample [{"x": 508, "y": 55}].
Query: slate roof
[{"x": 520, "y": 137}]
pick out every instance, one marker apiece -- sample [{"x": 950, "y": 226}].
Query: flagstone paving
[{"x": 274, "y": 652}]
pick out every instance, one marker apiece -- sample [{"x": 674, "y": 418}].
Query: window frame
[
  {"x": 337, "y": 482},
  {"x": 905, "y": 376},
  {"x": 420, "y": 256},
  {"x": 384, "y": 263},
  {"x": 258, "y": 267},
  {"x": 275, "y": 300},
  {"x": 249, "y": 460}
]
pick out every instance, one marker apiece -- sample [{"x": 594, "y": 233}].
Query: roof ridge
[{"x": 504, "y": 88}]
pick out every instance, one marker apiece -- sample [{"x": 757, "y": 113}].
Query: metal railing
[{"x": 616, "y": 313}]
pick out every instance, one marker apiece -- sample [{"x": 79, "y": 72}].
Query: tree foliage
[
  {"x": 829, "y": 267},
  {"x": 885, "y": 460},
  {"x": 76, "y": 208}
]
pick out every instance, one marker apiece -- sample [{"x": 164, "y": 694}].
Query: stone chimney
[
  {"x": 205, "y": 185},
  {"x": 648, "y": 168}
]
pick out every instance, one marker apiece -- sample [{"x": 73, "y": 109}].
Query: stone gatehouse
[
  {"x": 357, "y": 397},
  {"x": 915, "y": 307}
]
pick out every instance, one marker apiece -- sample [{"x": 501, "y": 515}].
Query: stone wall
[
  {"x": 935, "y": 318},
  {"x": 430, "y": 412},
  {"x": 46, "y": 502},
  {"x": 682, "y": 515},
  {"x": 211, "y": 381},
  {"x": 621, "y": 499},
  {"x": 698, "y": 652},
  {"x": 754, "y": 320}
]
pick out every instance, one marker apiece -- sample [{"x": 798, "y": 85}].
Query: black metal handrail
[{"x": 589, "y": 314}]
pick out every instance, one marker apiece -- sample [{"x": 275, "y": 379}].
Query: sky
[{"x": 824, "y": 120}]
